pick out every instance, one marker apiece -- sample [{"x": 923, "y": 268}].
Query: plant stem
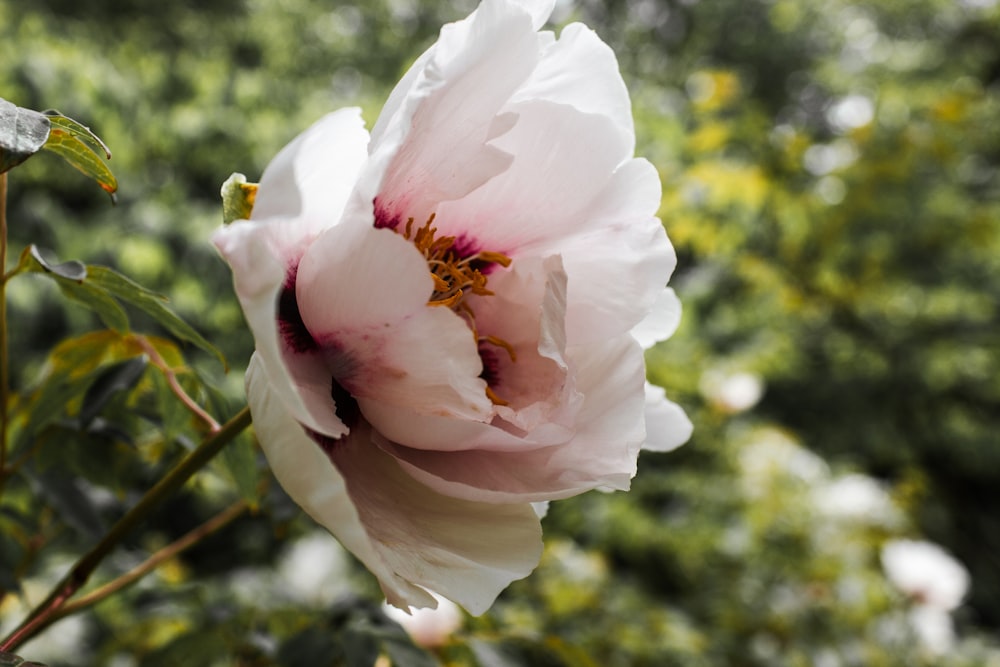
[
  {"x": 214, "y": 524},
  {"x": 175, "y": 385},
  {"x": 77, "y": 576},
  {"x": 4, "y": 373}
]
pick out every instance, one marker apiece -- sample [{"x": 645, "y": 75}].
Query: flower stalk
[
  {"x": 4, "y": 374},
  {"x": 213, "y": 525},
  {"x": 45, "y": 612},
  {"x": 175, "y": 385}
]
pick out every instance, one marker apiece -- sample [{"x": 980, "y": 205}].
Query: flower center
[{"x": 456, "y": 276}]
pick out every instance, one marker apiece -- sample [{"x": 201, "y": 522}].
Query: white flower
[
  {"x": 450, "y": 316},
  {"x": 429, "y": 627},
  {"x": 925, "y": 572},
  {"x": 856, "y": 497},
  {"x": 934, "y": 628},
  {"x": 732, "y": 392},
  {"x": 934, "y": 581}
]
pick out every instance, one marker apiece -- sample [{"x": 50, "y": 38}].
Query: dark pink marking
[
  {"x": 384, "y": 218},
  {"x": 491, "y": 365},
  {"x": 293, "y": 329}
]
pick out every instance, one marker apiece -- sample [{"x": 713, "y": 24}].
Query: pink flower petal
[
  {"x": 602, "y": 452},
  {"x": 435, "y": 143},
  {"x": 467, "y": 551},
  {"x": 315, "y": 484},
  {"x": 259, "y": 274},
  {"x": 362, "y": 294},
  {"x": 546, "y": 193},
  {"x": 581, "y": 71},
  {"x": 409, "y": 536},
  {"x": 528, "y": 312},
  {"x": 305, "y": 182}
]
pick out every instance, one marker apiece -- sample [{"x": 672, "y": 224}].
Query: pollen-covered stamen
[{"x": 455, "y": 277}]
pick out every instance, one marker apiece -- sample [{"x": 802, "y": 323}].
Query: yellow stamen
[
  {"x": 500, "y": 342},
  {"x": 493, "y": 397}
]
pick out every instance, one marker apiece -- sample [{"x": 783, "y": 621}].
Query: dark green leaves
[
  {"x": 23, "y": 132},
  {"x": 103, "y": 291}
]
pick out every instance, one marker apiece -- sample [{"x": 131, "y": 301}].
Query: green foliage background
[{"x": 831, "y": 184}]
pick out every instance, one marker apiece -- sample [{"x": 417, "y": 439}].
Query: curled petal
[
  {"x": 410, "y": 537},
  {"x": 528, "y": 312},
  {"x": 662, "y": 321},
  {"x": 667, "y": 427},
  {"x": 310, "y": 179},
  {"x": 580, "y": 70}
]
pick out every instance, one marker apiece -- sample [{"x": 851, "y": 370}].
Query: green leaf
[
  {"x": 76, "y": 144},
  {"x": 71, "y": 277},
  {"x": 112, "y": 315},
  {"x": 237, "y": 198},
  {"x": 11, "y": 660},
  {"x": 78, "y": 130},
  {"x": 97, "y": 288},
  {"x": 151, "y": 303},
  {"x": 23, "y": 133}
]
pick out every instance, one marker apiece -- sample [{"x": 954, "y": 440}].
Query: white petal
[
  {"x": 311, "y": 178},
  {"x": 580, "y": 70},
  {"x": 667, "y": 427},
  {"x": 466, "y": 551},
  {"x": 662, "y": 321},
  {"x": 540, "y": 10},
  {"x": 259, "y": 273},
  {"x": 362, "y": 293},
  {"x": 602, "y": 452},
  {"x": 434, "y": 146},
  {"x": 308, "y": 476},
  {"x": 547, "y": 192},
  {"x": 444, "y": 434}
]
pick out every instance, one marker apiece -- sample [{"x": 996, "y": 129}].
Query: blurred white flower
[
  {"x": 856, "y": 497},
  {"x": 772, "y": 455},
  {"x": 313, "y": 569},
  {"x": 428, "y": 627},
  {"x": 934, "y": 627},
  {"x": 934, "y": 581},
  {"x": 925, "y": 572},
  {"x": 731, "y": 392}
]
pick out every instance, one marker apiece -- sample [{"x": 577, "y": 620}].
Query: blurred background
[{"x": 830, "y": 174}]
